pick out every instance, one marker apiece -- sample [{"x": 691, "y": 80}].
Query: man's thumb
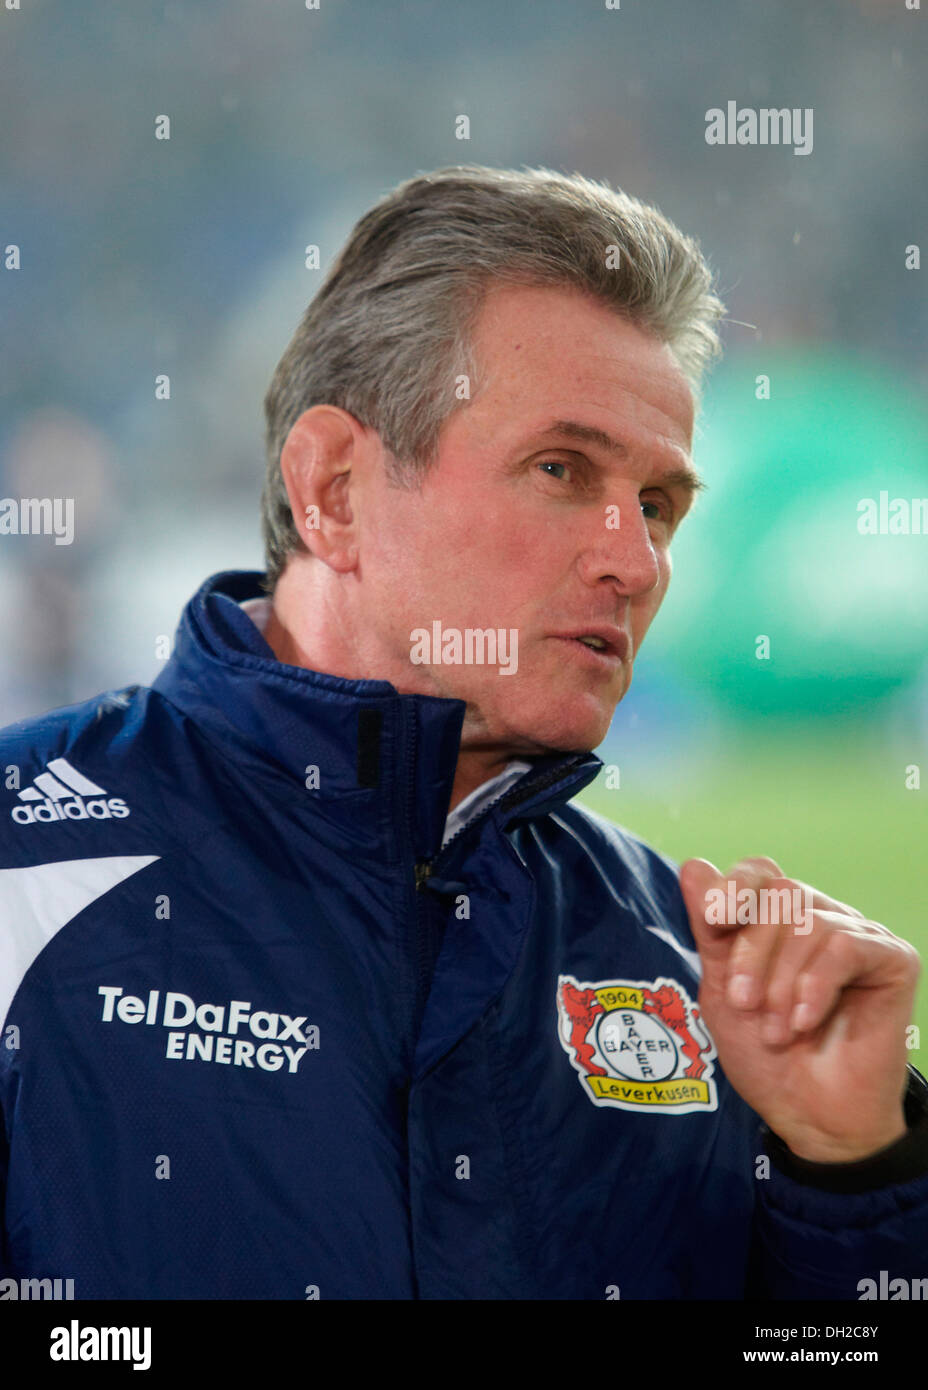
[{"x": 697, "y": 878}]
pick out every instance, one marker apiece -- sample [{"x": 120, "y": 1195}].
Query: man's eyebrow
[{"x": 686, "y": 478}]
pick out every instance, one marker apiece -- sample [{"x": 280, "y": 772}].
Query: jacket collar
[{"x": 384, "y": 758}]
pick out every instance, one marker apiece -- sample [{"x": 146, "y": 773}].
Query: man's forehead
[{"x": 546, "y": 344}]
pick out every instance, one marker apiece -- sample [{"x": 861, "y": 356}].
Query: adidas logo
[{"x": 62, "y": 793}]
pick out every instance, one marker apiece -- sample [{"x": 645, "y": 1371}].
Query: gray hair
[{"x": 389, "y": 330}]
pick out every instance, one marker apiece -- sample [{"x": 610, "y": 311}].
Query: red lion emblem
[
  {"x": 581, "y": 1006},
  {"x": 665, "y": 1003}
]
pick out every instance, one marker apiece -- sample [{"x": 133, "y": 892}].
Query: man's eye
[
  {"x": 555, "y": 463},
  {"x": 662, "y": 511}
]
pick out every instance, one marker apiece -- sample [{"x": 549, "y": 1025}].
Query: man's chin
[
  {"x": 535, "y": 726},
  {"x": 546, "y": 736},
  {"x": 579, "y": 730}
]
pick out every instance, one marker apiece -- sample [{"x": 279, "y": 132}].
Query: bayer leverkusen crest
[{"x": 637, "y": 1045}]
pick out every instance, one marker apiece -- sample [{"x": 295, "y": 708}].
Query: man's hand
[{"x": 810, "y": 1025}]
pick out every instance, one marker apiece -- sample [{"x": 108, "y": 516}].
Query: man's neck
[
  {"x": 474, "y": 766},
  {"x": 472, "y": 771}
]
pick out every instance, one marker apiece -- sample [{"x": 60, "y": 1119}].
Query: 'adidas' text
[{"x": 63, "y": 793}]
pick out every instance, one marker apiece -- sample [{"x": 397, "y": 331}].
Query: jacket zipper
[
  {"x": 420, "y": 928},
  {"x": 425, "y": 868}
]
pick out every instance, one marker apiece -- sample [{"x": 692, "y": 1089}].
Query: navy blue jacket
[{"x": 261, "y": 1037}]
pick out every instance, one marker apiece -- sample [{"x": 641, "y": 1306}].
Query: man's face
[{"x": 514, "y": 527}]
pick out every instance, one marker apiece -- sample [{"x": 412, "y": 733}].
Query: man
[{"x": 316, "y": 983}]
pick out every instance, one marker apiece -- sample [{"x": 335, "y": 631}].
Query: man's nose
[{"x": 622, "y": 550}]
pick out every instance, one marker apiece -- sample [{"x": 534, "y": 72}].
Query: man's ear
[{"x": 317, "y": 462}]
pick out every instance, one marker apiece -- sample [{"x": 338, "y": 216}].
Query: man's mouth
[{"x": 610, "y": 644}]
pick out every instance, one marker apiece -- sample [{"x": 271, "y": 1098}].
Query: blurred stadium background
[{"x": 185, "y": 257}]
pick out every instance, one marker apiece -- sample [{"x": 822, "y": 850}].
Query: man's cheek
[
  {"x": 666, "y": 567},
  {"x": 642, "y": 620},
  {"x": 656, "y": 597}
]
